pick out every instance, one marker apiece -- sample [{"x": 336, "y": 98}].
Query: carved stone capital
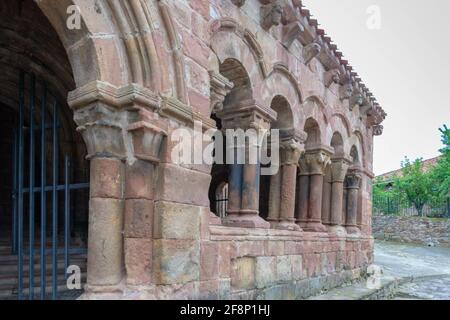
[
  {"x": 101, "y": 112},
  {"x": 271, "y": 15},
  {"x": 339, "y": 169},
  {"x": 353, "y": 180},
  {"x": 378, "y": 130},
  {"x": 332, "y": 76},
  {"x": 316, "y": 161},
  {"x": 247, "y": 115},
  {"x": 147, "y": 140},
  {"x": 291, "y": 152},
  {"x": 311, "y": 51},
  {"x": 220, "y": 87}
]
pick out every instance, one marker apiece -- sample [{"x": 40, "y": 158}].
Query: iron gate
[{"x": 37, "y": 197}]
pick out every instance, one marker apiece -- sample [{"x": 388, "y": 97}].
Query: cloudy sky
[{"x": 405, "y": 63}]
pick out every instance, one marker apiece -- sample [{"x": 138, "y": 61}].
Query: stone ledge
[{"x": 222, "y": 233}]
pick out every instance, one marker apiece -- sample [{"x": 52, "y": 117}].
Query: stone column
[
  {"x": 102, "y": 113},
  {"x": 317, "y": 161},
  {"x": 291, "y": 151},
  {"x": 353, "y": 185},
  {"x": 274, "y": 198},
  {"x": 302, "y": 195},
  {"x": 339, "y": 167},
  {"x": 326, "y": 197},
  {"x": 249, "y": 119}
]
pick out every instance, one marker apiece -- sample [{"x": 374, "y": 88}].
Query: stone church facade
[{"x": 138, "y": 70}]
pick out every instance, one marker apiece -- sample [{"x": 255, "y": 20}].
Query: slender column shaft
[
  {"x": 303, "y": 198},
  {"x": 235, "y": 188},
  {"x": 105, "y": 244},
  {"x": 274, "y": 197},
  {"x": 326, "y": 201},
  {"x": 289, "y": 173},
  {"x": 352, "y": 207},
  {"x": 337, "y": 197},
  {"x": 315, "y": 199},
  {"x": 250, "y": 189}
]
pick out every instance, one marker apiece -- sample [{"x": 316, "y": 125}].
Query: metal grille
[{"x": 35, "y": 197}]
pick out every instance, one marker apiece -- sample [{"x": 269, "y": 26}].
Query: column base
[
  {"x": 286, "y": 225},
  {"x": 315, "y": 227},
  {"x": 246, "y": 220},
  {"x": 353, "y": 230},
  {"x": 337, "y": 230}
]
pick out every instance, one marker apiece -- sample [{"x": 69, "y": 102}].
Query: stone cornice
[{"x": 117, "y": 97}]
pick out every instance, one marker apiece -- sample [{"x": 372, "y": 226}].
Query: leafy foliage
[{"x": 415, "y": 185}]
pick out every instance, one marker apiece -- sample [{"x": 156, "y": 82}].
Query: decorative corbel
[
  {"x": 147, "y": 140},
  {"x": 378, "y": 130},
  {"x": 332, "y": 76},
  {"x": 220, "y": 87},
  {"x": 291, "y": 32},
  {"x": 311, "y": 51},
  {"x": 346, "y": 91},
  {"x": 356, "y": 100},
  {"x": 271, "y": 15}
]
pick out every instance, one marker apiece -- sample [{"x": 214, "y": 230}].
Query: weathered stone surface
[
  {"x": 284, "y": 268},
  {"x": 266, "y": 271},
  {"x": 138, "y": 218},
  {"x": 107, "y": 178},
  {"x": 177, "y": 221},
  {"x": 176, "y": 261},
  {"x": 105, "y": 263},
  {"x": 138, "y": 260},
  {"x": 411, "y": 230},
  {"x": 243, "y": 273},
  {"x": 209, "y": 252}
]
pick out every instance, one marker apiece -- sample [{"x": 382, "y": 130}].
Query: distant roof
[{"x": 426, "y": 165}]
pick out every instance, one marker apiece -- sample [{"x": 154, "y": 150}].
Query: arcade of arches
[{"x": 134, "y": 72}]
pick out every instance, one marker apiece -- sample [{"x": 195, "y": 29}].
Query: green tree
[
  {"x": 415, "y": 184},
  {"x": 441, "y": 173}
]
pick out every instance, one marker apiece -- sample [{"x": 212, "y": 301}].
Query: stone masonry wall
[{"x": 411, "y": 230}]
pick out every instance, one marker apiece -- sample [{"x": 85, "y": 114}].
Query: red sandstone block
[
  {"x": 200, "y": 26},
  {"x": 140, "y": 180},
  {"x": 209, "y": 263},
  {"x": 224, "y": 260},
  {"x": 249, "y": 248},
  {"x": 199, "y": 102},
  {"x": 274, "y": 248},
  {"x": 138, "y": 218},
  {"x": 195, "y": 49},
  {"x": 209, "y": 290},
  {"x": 106, "y": 178},
  {"x": 138, "y": 261},
  {"x": 200, "y": 6}
]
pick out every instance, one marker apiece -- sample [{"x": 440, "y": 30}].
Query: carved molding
[{"x": 332, "y": 76}]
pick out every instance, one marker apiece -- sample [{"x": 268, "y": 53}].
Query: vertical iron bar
[
  {"x": 20, "y": 189},
  {"x": 14, "y": 193},
  {"x": 66, "y": 214},
  {"x": 55, "y": 204},
  {"x": 31, "y": 193},
  {"x": 43, "y": 193}
]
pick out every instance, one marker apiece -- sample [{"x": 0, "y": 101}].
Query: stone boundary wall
[{"x": 411, "y": 230}]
